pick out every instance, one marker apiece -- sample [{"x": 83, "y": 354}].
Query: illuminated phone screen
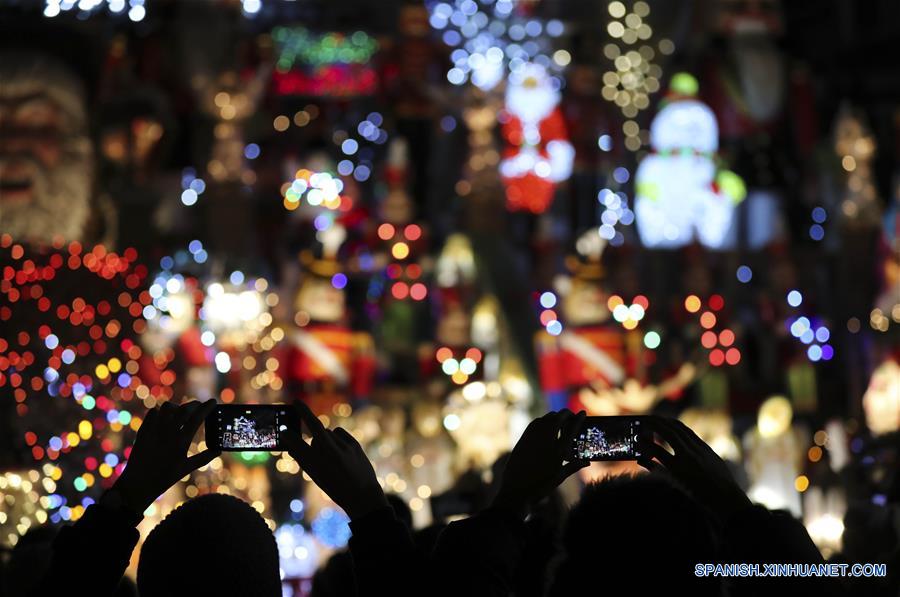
[
  {"x": 608, "y": 438},
  {"x": 246, "y": 427}
]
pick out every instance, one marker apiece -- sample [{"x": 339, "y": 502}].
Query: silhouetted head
[
  {"x": 644, "y": 530},
  {"x": 212, "y": 545}
]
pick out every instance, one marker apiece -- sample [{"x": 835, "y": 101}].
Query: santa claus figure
[
  {"x": 326, "y": 363},
  {"x": 538, "y": 154},
  {"x": 46, "y": 158},
  {"x": 681, "y": 192}
]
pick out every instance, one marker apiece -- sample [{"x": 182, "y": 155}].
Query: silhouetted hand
[
  {"x": 537, "y": 464},
  {"x": 159, "y": 454},
  {"x": 337, "y": 464},
  {"x": 696, "y": 466}
]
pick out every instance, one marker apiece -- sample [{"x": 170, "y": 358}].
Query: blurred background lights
[{"x": 136, "y": 8}]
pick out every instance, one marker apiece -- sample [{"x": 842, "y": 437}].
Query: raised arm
[
  {"x": 93, "y": 553},
  {"x": 383, "y": 553}
]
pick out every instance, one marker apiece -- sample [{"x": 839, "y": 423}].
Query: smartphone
[
  {"x": 610, "y": 438},
  {"x": 249, "y": 427}
]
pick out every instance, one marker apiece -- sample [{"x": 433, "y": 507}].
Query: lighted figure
[
  {"x": 46, "y": 157},
  {"x": 749, "y": 82},
  {"x": 478, "y": 419},
  {"x": 585, "y": 360},
  {"x": 823, "y": 516},
  {"x": 538, "y": 154},
  {"x": 589, "y": 355},
  {"x": 775, "y": 450},
  {"x": 400, "y": 257},
  {"x": 718, "y": 342},
  {"x": 456, "y": 359},
  {"x": 237, "y": 325},
  {"x": 681, "y": 192},
  {"x": 881, "y": 401},
  {"x": 174, "y": 326},
  {"x": 326, "y": 363},
  {"x": 483, "y": 415}
]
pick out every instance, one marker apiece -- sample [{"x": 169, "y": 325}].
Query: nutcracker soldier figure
[
  {"x": 589, "y": 356},
  {"x": 400, "y": 257},
  {"x": 326, "y": 363},
  {"x": 591, "y": 363}
]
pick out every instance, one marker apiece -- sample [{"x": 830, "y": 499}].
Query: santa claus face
[
  {"x": 531, "y": 95},
  {"x": 45, "y": 154}
]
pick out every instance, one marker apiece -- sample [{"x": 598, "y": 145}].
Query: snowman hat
[{"x": 682, "y": 86}]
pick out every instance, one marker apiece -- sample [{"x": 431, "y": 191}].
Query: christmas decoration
[
  {"x": 326, "y": 362},
  {"x": 719, "y": 343},
  {"x": 774, "y": 449},
  {"x": 881, "y": 401},
  {"x": 538, "y": 154},
  {"x": 681, "y": 194},
  {"x": 635, "y": 73},
  {"x": 398, "y": 255},
  {"x": 326, "y": 65},
  {"x": 46, "y": 162},
  {"x": 493, "y": 39},
  {"x": 78, "y": 379},
  {"x": 136, "y": 8}
]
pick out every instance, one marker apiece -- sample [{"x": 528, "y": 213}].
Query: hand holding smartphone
[
  {"x": 611, "y": 438},
  {"x": 249, "y": 427}
]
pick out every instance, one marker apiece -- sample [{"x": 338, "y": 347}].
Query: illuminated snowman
[{"x": 681, "y": 194}]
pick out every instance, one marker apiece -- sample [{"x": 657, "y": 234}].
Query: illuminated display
[
  {"x": 681, "y": 193},
  {"x": 330, "y": 64}
]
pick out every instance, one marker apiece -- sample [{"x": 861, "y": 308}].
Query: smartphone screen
[
  {"x": 247, "y": 427},
  {"x": 609, "y": 438}
]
